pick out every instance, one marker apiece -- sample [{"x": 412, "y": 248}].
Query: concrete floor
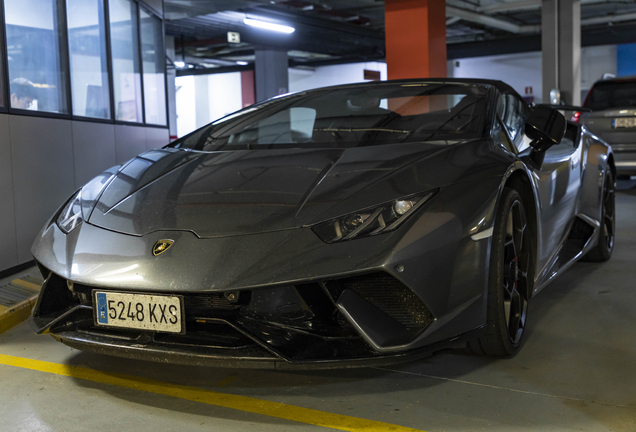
[{"x": 576, "y": 372}]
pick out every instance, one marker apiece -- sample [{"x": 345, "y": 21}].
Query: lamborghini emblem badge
[{"x": 161, "y": 246}]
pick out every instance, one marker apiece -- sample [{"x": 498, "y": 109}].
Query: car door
[
  {"x": 558, "y": 183},
  {"x": 557, "y": 180}
]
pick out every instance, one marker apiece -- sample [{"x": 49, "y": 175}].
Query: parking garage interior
[{"x": 89, "y": 84}]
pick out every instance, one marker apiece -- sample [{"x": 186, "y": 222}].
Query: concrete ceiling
[{"x": 341, "y": 31}]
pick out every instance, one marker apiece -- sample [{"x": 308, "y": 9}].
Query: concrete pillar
[
  {"x": 415, "y": 38},
  {"x": 270, "y": 67},
  {"x": 561, "y": 49},
  {"x": 172, "y": 89}
]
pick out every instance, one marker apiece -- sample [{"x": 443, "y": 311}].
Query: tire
[
  {"x": 509, "y": 280},
  {"x": 603, "y": 249}
]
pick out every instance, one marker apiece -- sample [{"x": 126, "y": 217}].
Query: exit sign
[{"x": 233, "y": 37}]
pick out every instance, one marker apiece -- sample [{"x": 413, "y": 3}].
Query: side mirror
[{"x": 546, "y": 126}]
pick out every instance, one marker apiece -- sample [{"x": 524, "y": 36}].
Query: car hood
[{"x": 215, "y": 194}]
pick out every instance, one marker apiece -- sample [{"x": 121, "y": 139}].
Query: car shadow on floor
[
  {"x": 382, "y": 390},
  {"x": 549, "y": 349},
  {"x": 447, "y": 363},
  {"x": 626, "y": 186},
  {"x": 326, "y": 383}
]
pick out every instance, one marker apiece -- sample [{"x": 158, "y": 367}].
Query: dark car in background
[
  {"x": 613, "y": 118},
  {"x": 351, "y": 225}
]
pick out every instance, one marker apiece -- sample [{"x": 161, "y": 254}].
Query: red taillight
[{"x": 576, "y": 117}]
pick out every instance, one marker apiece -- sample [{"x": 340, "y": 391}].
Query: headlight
[
  {"x": 71, "y": 215},
  {"x": 375, "y": 220}
]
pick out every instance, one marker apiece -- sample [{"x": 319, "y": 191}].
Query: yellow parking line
[
  {"x": 14, "y": 315},
  {"x": 26, "y": 284},
  {"x": 241, "y": 403}
]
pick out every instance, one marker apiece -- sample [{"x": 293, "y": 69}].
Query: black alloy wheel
[
  {"x": 516, "y": 264},
  {"x": 607, "y": 232},
  {"x": 510, "y": 280}
]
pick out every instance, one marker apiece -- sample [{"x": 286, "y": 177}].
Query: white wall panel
[
  {"x": 9, "y": 249},
  {"x": 204, "y": 98},
  {"x": 225, "y": 95},
  {"x": 322, "y": 76},
  {"x": 156, "y": 138},
  {"x": 43, "y": 173},
  {"x": 129, "y": 142},
  {"x": 524, "y": 70},
  {"x": 517, "y": 70},
  {"x": 596, "y": 61},
  {"x": 201, "y": 100},
  {"x": 185, "y": 105},
  {"x": 94, "y": 150}
]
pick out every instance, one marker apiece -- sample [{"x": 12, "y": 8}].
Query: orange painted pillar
[{"x": 415, "y": 38}]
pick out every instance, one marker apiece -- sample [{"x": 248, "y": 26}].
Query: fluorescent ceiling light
[
  {"x": 242, "y": 63},
  {"x": 179, "y": 64},
  {"x": 269, "y": 26}
]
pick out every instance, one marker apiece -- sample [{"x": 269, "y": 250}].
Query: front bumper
[
  {"x": 301, "y": 326},
  {"x": 435, "y": 277},
  {"x": 355, "y": 321}
]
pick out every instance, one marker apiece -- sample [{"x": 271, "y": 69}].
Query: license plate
[
  {"x": 160, "y": 313},
  {"x": 625, "y": 122}
]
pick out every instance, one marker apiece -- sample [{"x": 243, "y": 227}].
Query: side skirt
[{"x": 581, "y": 237}]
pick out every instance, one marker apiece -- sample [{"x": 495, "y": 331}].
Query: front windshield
[
  {"x": 612, "y": 94},
  {"x": 354, "y": 116}
]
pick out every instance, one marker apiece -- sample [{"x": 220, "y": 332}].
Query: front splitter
[{"x": 256, "y": 358}]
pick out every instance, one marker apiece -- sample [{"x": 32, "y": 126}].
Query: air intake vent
[
  {"x": 580, "y": 231},
  {"x": 208, "y": 301},
  {"x": 387, "y": 294}
]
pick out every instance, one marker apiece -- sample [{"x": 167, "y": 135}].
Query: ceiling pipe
[
  {"x": 452, "y": 20},
  {"x": 522, "y": 5},
  {"x": 609, "y": 19},
  {"x": 491, "y": 21},
  {"x": 512, "y": 6},
  {"x": 457, "y": 14}
]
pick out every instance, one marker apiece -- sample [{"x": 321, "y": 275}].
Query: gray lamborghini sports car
[{"x": 352, "y": 225}]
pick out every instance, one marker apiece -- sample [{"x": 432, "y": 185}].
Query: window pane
[
  {"x": 155, "y": 4},
  {"x": 351, "y": 117},
  {"x": 153, "y": 67},
  {"x": 514, "y": 118},
  {"x": 35, "y": 67},
  {"x": 612, "y": 94},
  {"x": 87, "y": 46},
  {"x": 126, "y": 76}
]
